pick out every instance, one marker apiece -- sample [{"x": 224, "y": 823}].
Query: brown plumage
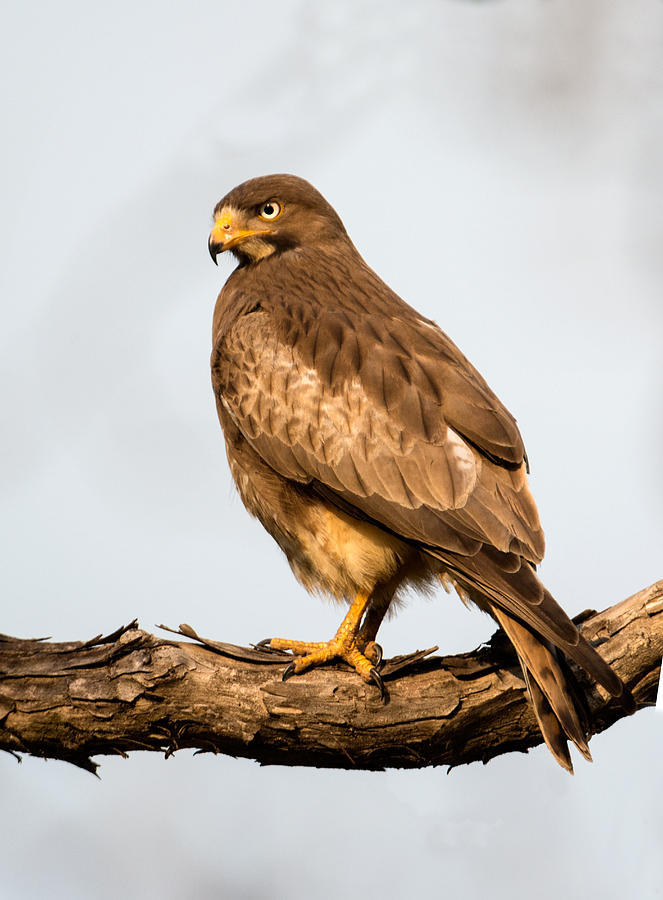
[{"x": 372, "y": 450}]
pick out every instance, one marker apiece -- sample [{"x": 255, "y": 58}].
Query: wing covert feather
[{"x": 368, "y": 421}]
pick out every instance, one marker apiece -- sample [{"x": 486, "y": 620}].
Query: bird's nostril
[{"x": 226, "y": 226}]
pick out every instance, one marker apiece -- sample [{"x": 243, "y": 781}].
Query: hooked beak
[{"x": 225, "y": 234}]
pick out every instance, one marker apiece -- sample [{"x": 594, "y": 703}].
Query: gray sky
[{"x": 500, "y": 165}]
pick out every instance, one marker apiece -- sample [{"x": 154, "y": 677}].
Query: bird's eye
[{"x": 270, "y": 210}]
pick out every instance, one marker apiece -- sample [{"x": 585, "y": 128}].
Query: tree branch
[{"x": 133, "y": 690}]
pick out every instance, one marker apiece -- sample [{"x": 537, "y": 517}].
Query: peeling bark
[{"x": 133, "y": 690}]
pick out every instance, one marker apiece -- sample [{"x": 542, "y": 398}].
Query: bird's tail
[
  {"x": 507, "y": 587},
  {"x": 554, "y": 696}
]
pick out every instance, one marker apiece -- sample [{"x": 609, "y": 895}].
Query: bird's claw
[
  {"x": 263, "y": 644},
  {"x": 378, "y": 653},
  {"x": 376, "y": 678},
  {"x": 289, "y": 671}
]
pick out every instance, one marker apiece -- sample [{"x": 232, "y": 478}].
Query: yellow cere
[{"x": 223, "y": 226}]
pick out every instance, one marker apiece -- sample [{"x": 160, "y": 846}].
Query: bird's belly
[
  {"x": 328, "y": 550},
  {"x": 341, "y": 555}
]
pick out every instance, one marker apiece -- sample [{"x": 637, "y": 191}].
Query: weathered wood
[{"x": 133, "y": 690}]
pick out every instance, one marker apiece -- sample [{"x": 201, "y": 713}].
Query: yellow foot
[{"x": 344, "y": 645}]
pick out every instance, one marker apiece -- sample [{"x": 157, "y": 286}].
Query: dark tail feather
[
  {"x": 509, "y": 585},
  {"x": 557, "y": 711}
]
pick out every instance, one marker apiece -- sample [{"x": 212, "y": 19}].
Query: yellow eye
[{"x": 270, "y": 210}]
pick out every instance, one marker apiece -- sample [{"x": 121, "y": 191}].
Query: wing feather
[{"x": 385, "y": 413}]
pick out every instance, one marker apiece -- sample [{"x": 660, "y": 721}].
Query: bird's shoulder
[{"x": 332, "y": 318}]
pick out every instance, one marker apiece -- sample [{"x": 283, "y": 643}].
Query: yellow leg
[
  {"x": 369, "y": 629},
  {"x": 343, "y": 645}
]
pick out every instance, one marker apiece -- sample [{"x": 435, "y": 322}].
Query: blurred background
[{"x": 500, "y": 164}]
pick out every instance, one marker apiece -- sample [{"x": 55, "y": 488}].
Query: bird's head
[{"x": 270, "y": 215}]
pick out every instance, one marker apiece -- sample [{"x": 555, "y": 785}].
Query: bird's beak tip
[{"x": 213, "y": 251}]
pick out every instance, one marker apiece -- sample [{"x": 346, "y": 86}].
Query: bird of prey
[{"x": 373, "y": 452}]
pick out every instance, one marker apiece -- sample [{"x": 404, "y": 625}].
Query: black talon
[
  {"x": 263, "y": 644},
  {"x": 377, "y": 679},
  {"x": 288, "y": 672},
  {"x": 379, "y": 652}
]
